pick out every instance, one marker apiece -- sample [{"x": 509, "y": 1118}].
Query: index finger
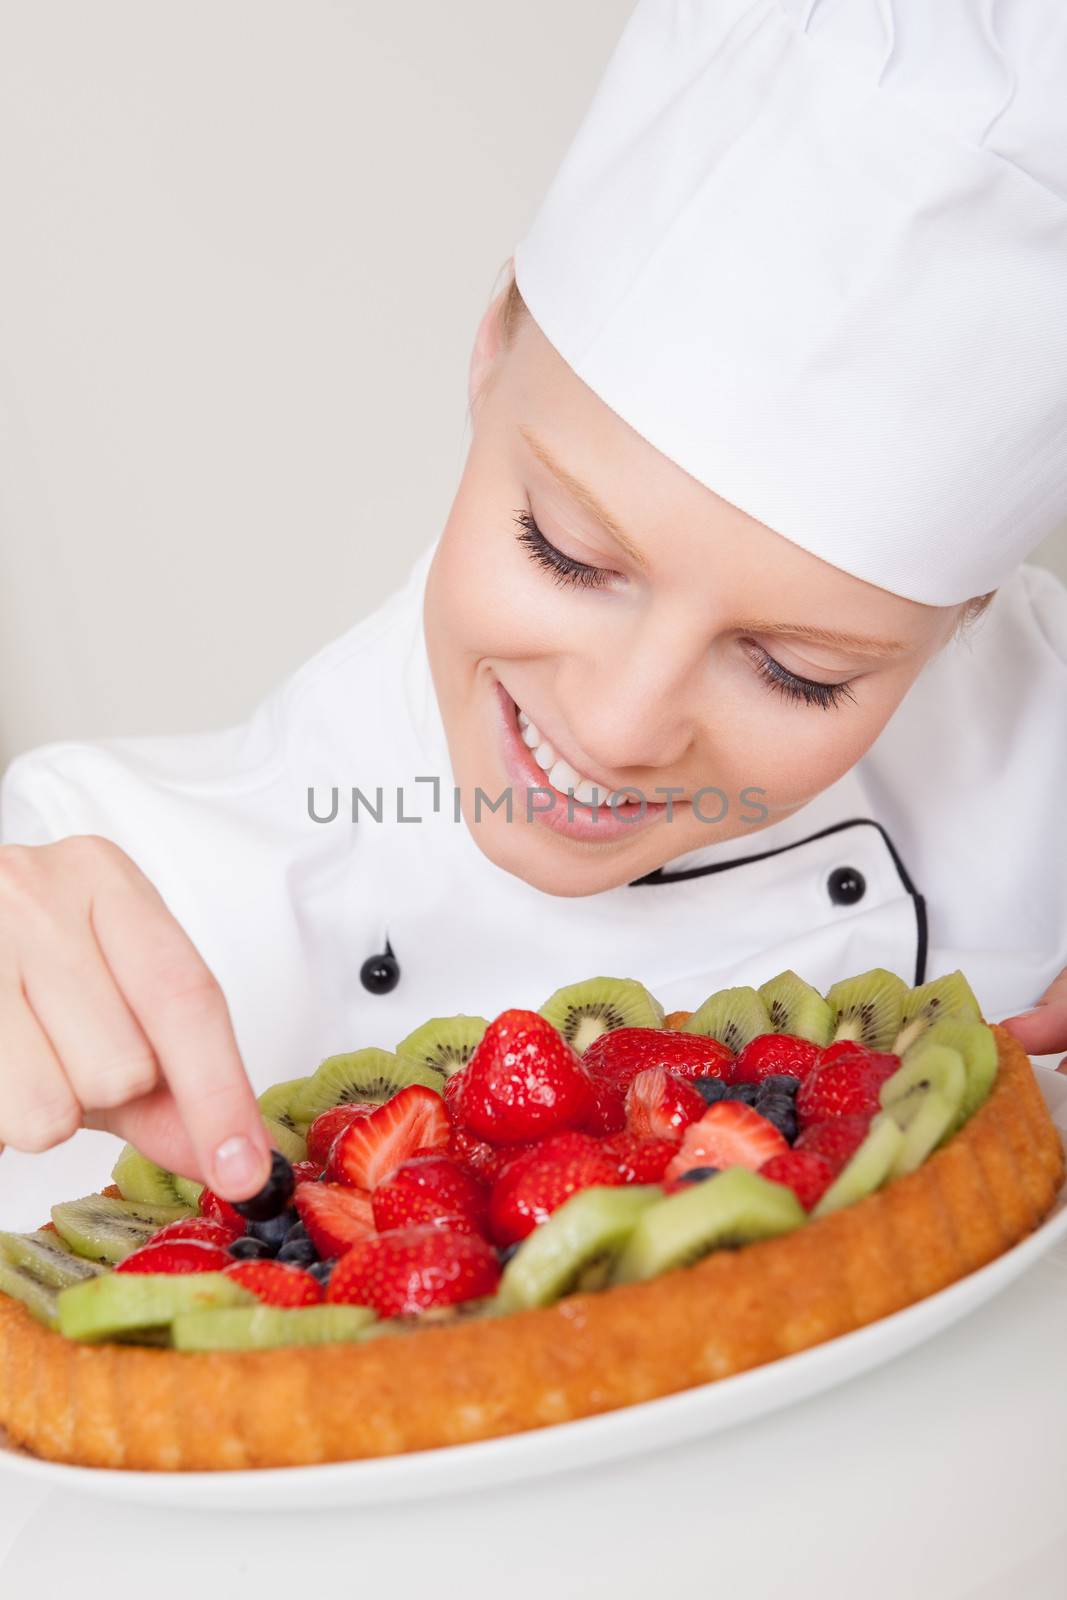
[{"x": 183, "y": 1013}]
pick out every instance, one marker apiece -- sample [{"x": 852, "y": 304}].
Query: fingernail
[{"x": 239, "y": 1167}]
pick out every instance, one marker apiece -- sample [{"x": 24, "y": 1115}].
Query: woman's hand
[
  {"x": 1043, "y": 1029},
  {"x": 110, "y": 1019}
]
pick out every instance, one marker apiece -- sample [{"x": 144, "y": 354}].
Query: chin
[{"x": 543, "y": 861}]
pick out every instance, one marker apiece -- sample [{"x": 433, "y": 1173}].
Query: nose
[{"x": 635, "y": 711}]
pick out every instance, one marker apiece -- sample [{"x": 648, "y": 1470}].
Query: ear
[{"x": 487, "y": 345}]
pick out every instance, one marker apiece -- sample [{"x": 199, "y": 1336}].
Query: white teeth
[
  {"x": 544, "y": 755},
  {"x": 531, "y": 736},
  {"x": 524, "y": 721},
  {"x": 586, "y": 791},
  {"x": 562, "y": 776}
]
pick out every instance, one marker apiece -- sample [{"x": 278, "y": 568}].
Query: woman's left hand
[{"x": 1043, "y": 1029}]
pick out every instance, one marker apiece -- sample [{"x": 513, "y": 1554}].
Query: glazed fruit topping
[
  {"x": 334, "y": 1216},
  {"x": 777, "y": 1053},
  {"x": 275, "y": 1194},
  {"x": 619, "y": 1056},
  {"x": 641, "y": 1160},
  {"x": 371, "y": 1147},
  {"x": 328, "y": 1125},
  {"x": 524, "y": 1081},
  {"x": 848, "y": 1084},
  {"x": 728, "y": 1135},
  {"x": 431, "y": 1189},
  {"x": 410, "y": 1270},
  {"x": 275, "y": 1283},
  {"x": 660, "y": 1105},
  {"x": 534, "y": 1185},
  {"x": 176, "y": 1255},
  {"x": 807, "y": 1174}
]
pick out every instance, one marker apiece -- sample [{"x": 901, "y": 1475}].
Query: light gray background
[{"x": 245, "y": 247}]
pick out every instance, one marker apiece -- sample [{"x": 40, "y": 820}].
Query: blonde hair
[{"x": 512, "y": 310}]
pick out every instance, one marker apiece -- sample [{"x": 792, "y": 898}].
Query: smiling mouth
[{"x": 567, "y": 780}]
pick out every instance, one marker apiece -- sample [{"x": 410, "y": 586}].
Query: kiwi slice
[
  {"x": 926, "y": 1064},
  {"x": 795, "y": 1007},
  {"x": 35, "y": 1266},
  {"x": 930, "y": 1120},
  {"x": 734, "y": 1207},
  {"x": 141, "y": 1179},
  {"x": 444, "y": 1044},
  {"x": 733, "y": 1016},
  {"x": 289, "y": 1141},
  {"x": 575, "y": 1248},
  {"x": 583, "y": 1011},
  {"x": 188, "y": 1190},
  {"x": 868, "y": 1167},
  {"x": 102, "y": 1229},
  {"x": 951, "y": 996},
  {"x": 869, "y": 1007},
  {"x": 264, "y": 1327},
  {"x": 277, "y": 1103},
  {"x": 369, "y": 1075},
  {"x": 121, "y": 1302},
  {"x": 975, "y": 1042}
]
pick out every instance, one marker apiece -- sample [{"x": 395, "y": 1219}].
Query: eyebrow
[
  {"x": 584, "y": 495},
  {"x": 795, "y": 630}
]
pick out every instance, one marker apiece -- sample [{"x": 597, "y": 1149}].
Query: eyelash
[{"x": 578, "y": 574}]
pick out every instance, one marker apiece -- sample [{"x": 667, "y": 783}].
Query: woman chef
[{"x": 777, "y": 401}]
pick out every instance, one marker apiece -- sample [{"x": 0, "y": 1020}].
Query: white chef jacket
[{"x": 947, "y": 838}]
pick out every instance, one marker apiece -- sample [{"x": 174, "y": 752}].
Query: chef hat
[{"x": 816, "y": 254}]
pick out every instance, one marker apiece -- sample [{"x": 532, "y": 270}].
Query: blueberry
[
  {"x": 297, "y": 1231},
  {"x": 711, "y": 1089},
  {"x": 321, "y": 1270},
  {"x": 784, "y": 1081},
  {"x": 697, "y": 1174},
  {"x": 272, "y": 1232},
  {"x": 249, "y": 1248},
  {"x": 745, "y": 1092},
  {"x": 275, "y": 1193},
  {"x": 301, "y": 1251}
]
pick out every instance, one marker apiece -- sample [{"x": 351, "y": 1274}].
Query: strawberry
[
  {"x": 836, "y": 1140},
  {"x": 523, "y": 1081},
  {"x": 660, "y": 1106},
  {"x": 845, "y": 1049},
  {"x": 846, "y": 1086},
  {"x": 480, "y": 1159},
  {"x": 409, "y": 1270},
  {"x": 729, "y": 1134},
  {"x": 807, "y": 1174},
  {"x": 276, "y": 1283},
  {"x": 535, "y": 1184},
  {"x": 618, "y": 1056},
  {"x": 371, "y": 1147},
  {"x": 203, "y": 1229},
  {"x": 608, "y": 1115},
  {"x": 219, "y": 1210},
  {"x": 453, "y": 1090},
  {"x": 333, "y": 1216},
  {"x": 176, "y": 1255},
  {"x": 431, "y": 1189},
  {"x": 775, "y": 1052},
  {"x": 306, "y": 1171},
  {"x": 640, "y": 1160},
  {"x": 328, "y": 1124}
]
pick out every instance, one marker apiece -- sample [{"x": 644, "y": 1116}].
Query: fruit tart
[{"x": 503, "y": 1224}]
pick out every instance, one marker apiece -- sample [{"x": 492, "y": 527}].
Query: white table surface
[{"x": 938, "y": 1476}]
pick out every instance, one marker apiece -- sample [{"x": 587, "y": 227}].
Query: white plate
[{"x": 650, "y": 1426}]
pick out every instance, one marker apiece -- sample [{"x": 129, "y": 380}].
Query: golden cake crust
[{"x": 116, "y": 1405}]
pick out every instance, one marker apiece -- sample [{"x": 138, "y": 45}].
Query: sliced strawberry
[
  {"x": 276, "y": 1283},
  {"x": 523, "y": 1081},
  {"x": 328, "y": 1124},
  {"x": 219, "y": 1210},
  {"x": 836, "y": 1140},
  {"x": 409, "y": 1270},
  {"x": 617, "y": 1057},
  {"x": 775, "y": 1052},
  {"x": 306, "y": 1171},
  {"x": 370, "y": 1148},
  {"x": 334, "y": 1217},
  {"x": 176, "y": 1255},
  {"x": 203, "y": 1229},
  {"x": 431, "y": 1189},
  {"x": 729, "y": 1134},
  {"x": 641, "y": 1160},
  {"x": 660, "y": 1106},
  {"x": 846, "y": 1086},
  {"x": 481, "y": 1159},
  {"x": 535, "y": 1184},
  {"x": 807, "y": 1174}
]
